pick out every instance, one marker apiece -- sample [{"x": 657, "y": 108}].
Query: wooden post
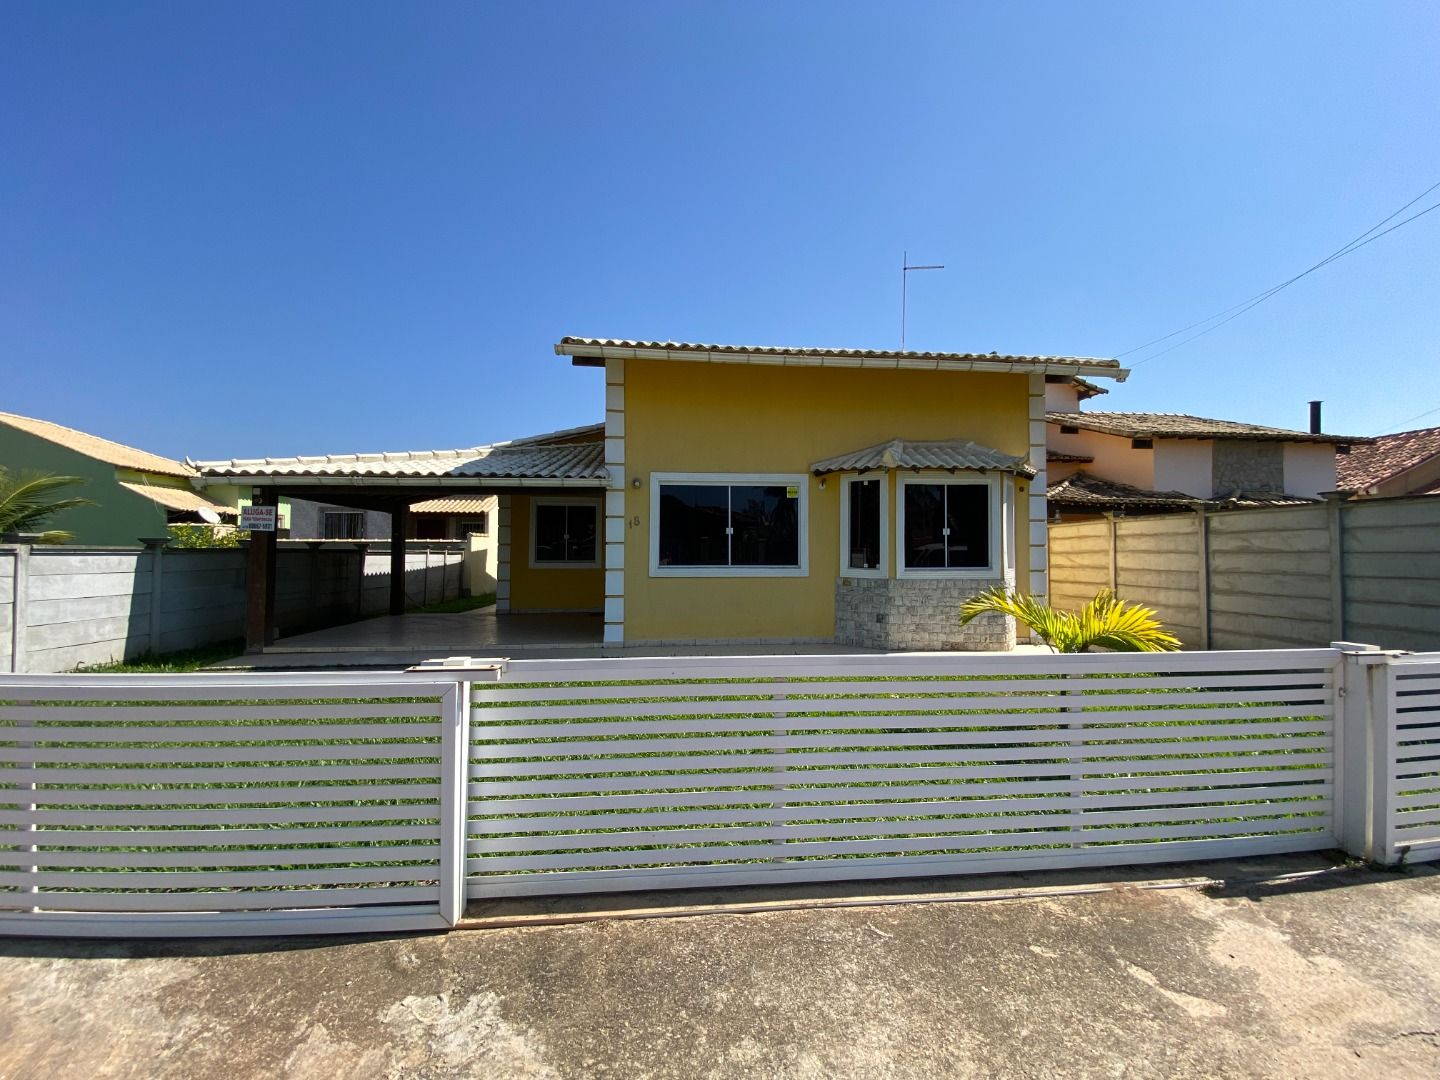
[
  {"x": 399, "y": 521},
  {"x": 260, "y": 582},
  {"x": 1114, "y": 552}
]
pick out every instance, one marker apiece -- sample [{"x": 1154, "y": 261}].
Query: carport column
[
  {"x": 1038, "y": 511},
  {"x": 260, "y": 580},
  {"x": 615, "y": 502},
  {"x": 502, "y": 553},
  {"x": 399, "y": 525}
]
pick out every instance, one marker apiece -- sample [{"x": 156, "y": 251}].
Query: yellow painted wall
[
  {"x": 548, "y": 588},
  {"x": 731, "y": 418}
]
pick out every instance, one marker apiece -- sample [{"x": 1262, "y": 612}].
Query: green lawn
[
  {"x": 171, "y": 662},
  {"x": 459, "y": 604}
]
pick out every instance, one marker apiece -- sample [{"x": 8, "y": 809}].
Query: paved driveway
[{"x": 1335, "y": 975}]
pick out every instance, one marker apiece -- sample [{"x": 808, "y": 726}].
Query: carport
[{"x": 554, "y": 467}]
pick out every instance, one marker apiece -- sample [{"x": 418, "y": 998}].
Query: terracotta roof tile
[
  {"x": 1139, "y": 425},
  {"x": 1387, "y": 456}
]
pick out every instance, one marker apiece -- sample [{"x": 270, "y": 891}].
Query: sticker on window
[{"x": 792, "y": 492}]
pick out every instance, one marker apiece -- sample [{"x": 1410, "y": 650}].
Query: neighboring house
[
  {"x": 752, "y": 494},
  {"x": 1132, "y": 462},
  {"x": 137, "y": 493},
  {"x": 1406, "y": 463}
]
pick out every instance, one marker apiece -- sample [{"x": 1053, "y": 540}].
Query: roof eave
[
  {"x": 469, "y": 482},
  {"x": 593, "y": 355}
]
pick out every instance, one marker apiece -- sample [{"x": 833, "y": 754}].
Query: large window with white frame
[
  {"x": 564, "y": 533},
  {"x": 729, "y": 525},
  {"x": 864, "y": 526},
  {"x": 947, "y": 527}
]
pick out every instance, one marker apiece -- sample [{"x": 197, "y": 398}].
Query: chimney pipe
[{"x": 1315, "y": 418}]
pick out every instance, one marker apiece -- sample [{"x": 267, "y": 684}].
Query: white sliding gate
[
  {"x": 220, "y": 805},
  {"x": 159, "y": 805},
  {"x": 595, "y": 775},
  {"x": 1411, "y": 700}
]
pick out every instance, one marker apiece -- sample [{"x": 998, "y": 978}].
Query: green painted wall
[{"x": 120, "y": 517}]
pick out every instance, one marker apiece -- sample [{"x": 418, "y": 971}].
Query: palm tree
[
  {"x": 1106, "y": 621},
  {"x": 30, "y": 500}
]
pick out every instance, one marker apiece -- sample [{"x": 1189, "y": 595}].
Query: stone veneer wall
[
  {"x": 1248, "y": 465},
  {"x": 917, "y": 613}
]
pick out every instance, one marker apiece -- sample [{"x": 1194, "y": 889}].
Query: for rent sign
[{"x": 257, "y": 518}]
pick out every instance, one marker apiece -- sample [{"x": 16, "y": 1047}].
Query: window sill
[
  {"x": 943, "y": 575},
  {"x": 729, "y": 571}
]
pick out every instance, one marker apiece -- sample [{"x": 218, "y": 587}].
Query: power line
[
  {"x": 1418, "y": 416},
  {"x": 1241, "y": 308}
]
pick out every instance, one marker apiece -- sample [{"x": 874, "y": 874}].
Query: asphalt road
[{"x": 1334, "y": 975}]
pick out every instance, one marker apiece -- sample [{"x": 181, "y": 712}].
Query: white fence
[
  {"x": 609, "y": 775},
  {"x": 183, "y": 805},
  {"x": 1412, "y": 696},
  {"x": 249, "y": 804}
]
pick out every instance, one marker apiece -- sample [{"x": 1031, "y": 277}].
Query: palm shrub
[
  {"x": 1106, "y": 621},
  {"x": 29, "y": 500}
]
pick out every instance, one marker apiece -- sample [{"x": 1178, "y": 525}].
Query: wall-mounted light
[{"x": 635, "y": 481}]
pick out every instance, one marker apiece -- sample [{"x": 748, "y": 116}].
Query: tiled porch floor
[{"x": 473, "y": 633}]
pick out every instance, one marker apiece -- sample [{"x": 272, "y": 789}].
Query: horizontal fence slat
[
  {"x": 793, "y": 778},
  {"x": 1215, "y": 705},
  {"x": 491, "y": 693},
  {"x": 270, "y": 900},
  {"x": 294, "y": 732},
  {"x": 421, "y": 861},
  {"x": 172, "y": 714},
  {"x": 213, "y": 815},
  {"x": 548, "y": 815},
  {"x": 1200, "y": 737},
  {"x": 483, "y": 738},
  {"x": 209, "y": 879},
  {"x": 422, "y": 793},
  {"x": 268, "y": 837},
  {"x": 149, "y": 759},
  {"x": 1087, "y": 757},
  {"x": 258, "y": 774}
]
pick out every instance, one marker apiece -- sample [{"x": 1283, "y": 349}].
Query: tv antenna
[{"x": 905, "y": 269}]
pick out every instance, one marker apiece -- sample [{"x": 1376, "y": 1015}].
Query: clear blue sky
[{"x": 246, "y": 229}]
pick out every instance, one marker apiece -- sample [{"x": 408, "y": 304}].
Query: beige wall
[
  {"x": 1114, "y": 457},
  {"x": 1185, "y": 465},
  {"x": 1309, "y": 469}
]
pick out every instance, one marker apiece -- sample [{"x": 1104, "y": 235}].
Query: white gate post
[
  {"x": 1363, "y": 742},
  {"x": 455, "y": 707},
  {"x": 454, "y": 778}
]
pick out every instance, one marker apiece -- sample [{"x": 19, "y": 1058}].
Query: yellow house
[
  {"x": 743, "y": 495},
  {"x": 789, "y": 496}
]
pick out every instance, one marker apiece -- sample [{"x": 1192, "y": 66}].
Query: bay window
[
  {"x": 948, "y": 527},
  {"x": 864, "y": 531}
]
